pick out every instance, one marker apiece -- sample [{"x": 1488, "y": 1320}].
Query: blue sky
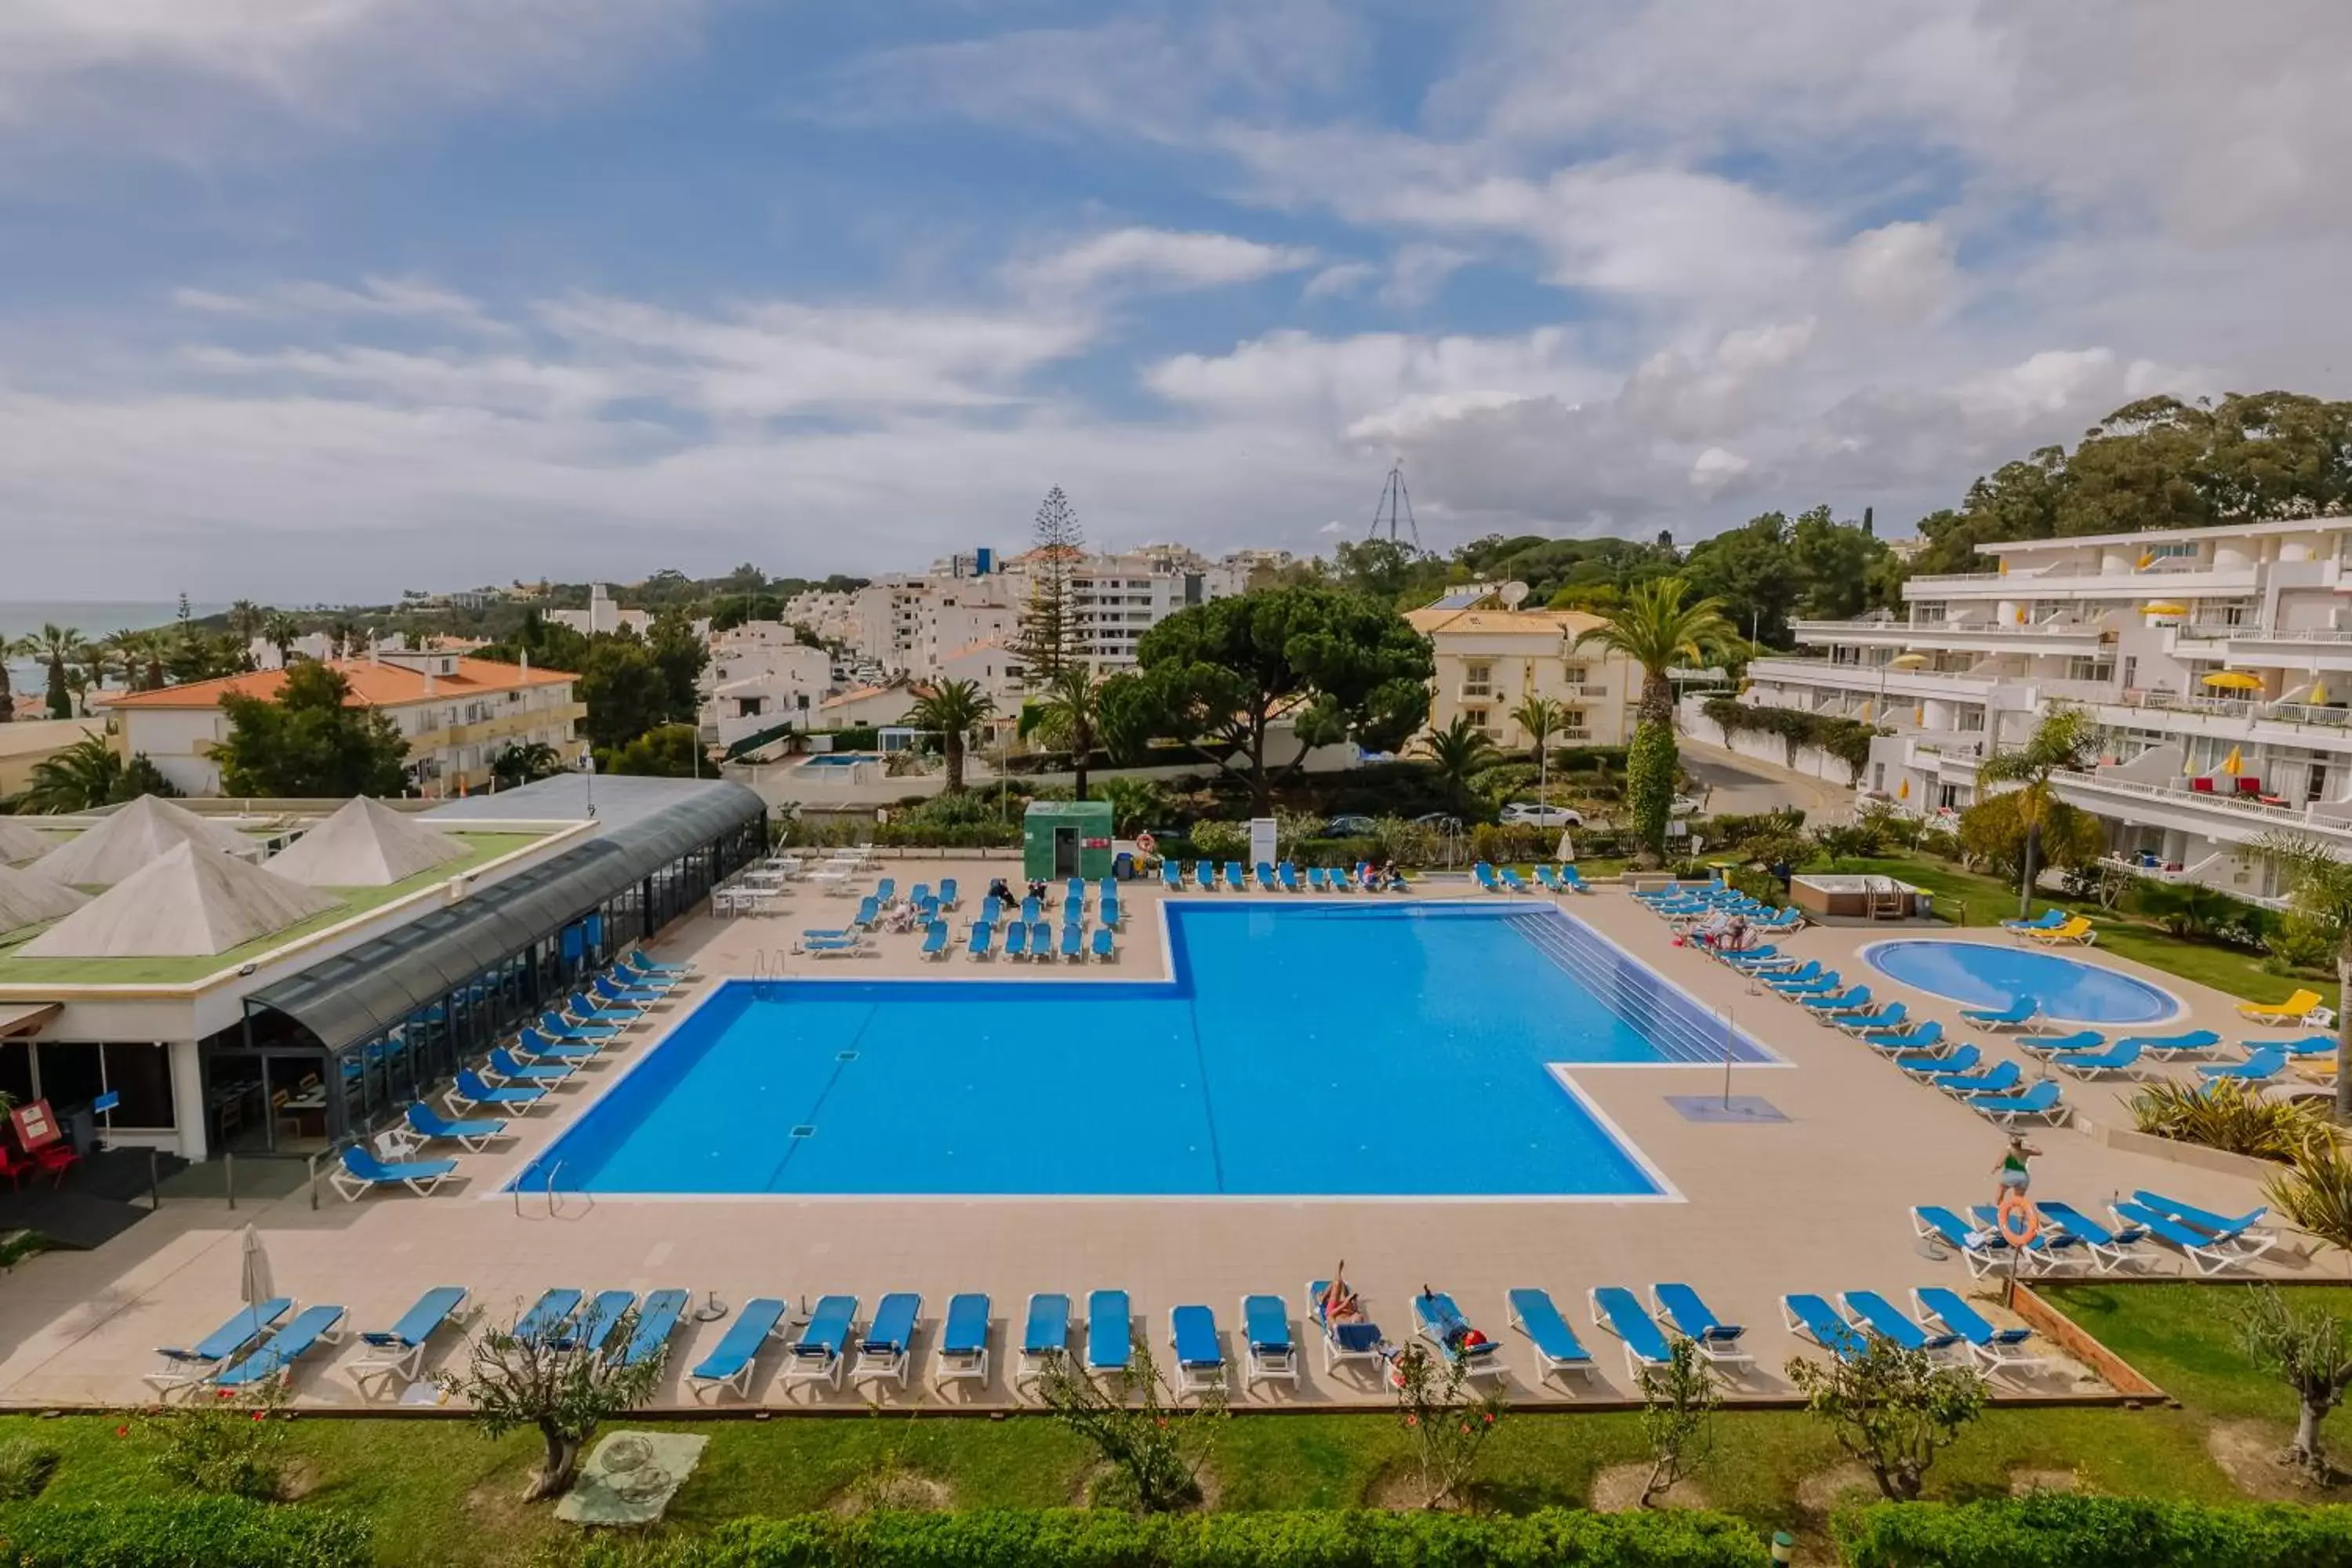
[{"x": 318, "y": 298}]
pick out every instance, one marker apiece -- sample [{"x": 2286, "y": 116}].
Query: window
[
  {"x": 1479, "y": 679},
  {"x": 1947, "y": 797},
  {"x": 1477, "y": 717},
  {"x": 1574, "y": 675},
  {"x": 2088, "y": 668}
]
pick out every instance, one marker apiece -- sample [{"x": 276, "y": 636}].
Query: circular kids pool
[{"x": 1978, "y": 975}]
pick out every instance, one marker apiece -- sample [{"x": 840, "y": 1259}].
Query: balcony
[
  {"x": 1869, "y": 680},
  {"x": 2227, "y": 818}
]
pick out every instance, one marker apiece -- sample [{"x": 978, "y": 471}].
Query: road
[{"x": 1744, "y": 784}]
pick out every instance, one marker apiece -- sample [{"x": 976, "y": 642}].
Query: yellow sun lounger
[
  {"x": 2075, "y": 932},
  {"x": 2293, "y": 1010}
]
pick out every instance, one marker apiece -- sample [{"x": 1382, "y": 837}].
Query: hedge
[
  {"x": 1072, "y": 1538},
  {"x": 184, "y": 1533},
  {"x": 2055, "y": 1531}
]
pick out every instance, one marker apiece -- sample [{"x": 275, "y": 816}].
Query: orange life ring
[
  {"x": 2015, "y": 1205},
  {"x": 1145, "y": 842}
]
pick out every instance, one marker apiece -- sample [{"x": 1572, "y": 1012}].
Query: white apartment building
[
  {"x": 761, "y": 681},
  {"x": 832, "y": 614},
  {"x": 457, "y": 714},
  {"x": 1490, "y": 658},
  {"x": 2216, "y": 662},
  {"x": 602, "y": 616}
]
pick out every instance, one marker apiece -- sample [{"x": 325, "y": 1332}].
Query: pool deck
[{"x": 1817, "y": 1203}]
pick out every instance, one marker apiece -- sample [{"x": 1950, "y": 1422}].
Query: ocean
[{"x": 92, "y": 619}]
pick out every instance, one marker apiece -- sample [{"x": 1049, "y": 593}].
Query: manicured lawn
[{"x": 1977, "y": 900}]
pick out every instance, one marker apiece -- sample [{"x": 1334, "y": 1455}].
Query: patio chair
[
  {"x": 1269, "y": 1355},
  {"x": 397, "y": 1353},
  {"x": 963, "y": 1353},
  {"x": 313, "y": 1327},
  {"x": 1200, "y": 1352},
  {"x": 1621, "y": 1312},
  {"x": 198, "y": 1362},
  {"x": 1683, "y": 1310},
  {"x": 730, "y": 1362},
  {"x": 886, "y": 1350}
]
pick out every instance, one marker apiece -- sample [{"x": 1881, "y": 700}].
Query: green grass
[
  {"x": 440, "y": 1494},
  {"x": 18, "y": 969},
  {"x": 1976, "y": 901}
]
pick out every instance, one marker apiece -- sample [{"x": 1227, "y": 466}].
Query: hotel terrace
[
  {"x": 2217, "y": 663},
  {"x": 456, "y": 714}
]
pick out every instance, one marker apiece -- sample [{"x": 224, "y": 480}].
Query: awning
[
  {"x": 23, "y": 1019},
  {"x": 346, "y": 999}
]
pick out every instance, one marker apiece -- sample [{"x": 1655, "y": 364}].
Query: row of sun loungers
[
  {"x": 1941, "y": 1324},
  {"x": 2209, "y": 1243},
  {"x": 1269, "y": 878},
  {"x": 1550, "y": 879}
]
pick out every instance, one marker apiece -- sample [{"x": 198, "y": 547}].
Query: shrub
[
  {"x": 152, "y": 1532},
  {"x": 1342, "y": 852},
  {"x": 24, "y": 1468},
  {"x": 1891, "y": 1409},
  {"x": 227, "y": 1444},
  {"x": 2231, "y": 1116},
  {"x": 2297, "y": 947},
  {"x": 1068, "y": 1537},
  {"x": 2053, "y": 1528},
  {"x": 2317, "y": 1193},
  {"x": 960, "y": 835},
  {"x": 1220, "y": 841},
  {"x": 1154, "y": 1444},
  {"x": 1762, "y": 886},
  {"x": 1506, "y": 843}
]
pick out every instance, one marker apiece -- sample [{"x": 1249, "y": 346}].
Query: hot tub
[{"x": 1828, "y": 895}]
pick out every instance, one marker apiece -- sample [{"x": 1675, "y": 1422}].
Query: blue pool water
[
  {"x": 840, "y": 760},
  {"x": 1982, "y": 975},
  {"x": 1302, "y": 1049}
]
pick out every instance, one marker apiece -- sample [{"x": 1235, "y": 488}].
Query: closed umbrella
[
  {"x": 1567, "y": 856},
  {"x": 2234, "y": 764},
  {"x": 257, "y": 1286},
  {"x": 2318, "y": 698}
]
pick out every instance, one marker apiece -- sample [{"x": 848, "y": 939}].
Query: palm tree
[
  {"x": 141, "y": 655},
  {"x": 81, "y": 776},
  {"x": 280, "y": 630},
  {"x": 1658, "y": 628},
  {"x": 247, "y": 619},
  {"x": 1135, "y": 804},
  {"x": 2061, "y": 742},
  {"x": 10, "y": 648},
  {"x": 59, "y": 648},
  {"x": 1541, "y": 718},
  {"x": 952, "y": 710},
  {"x": 1459, "y": 750},
  {"x": 1067, "y": 714}
]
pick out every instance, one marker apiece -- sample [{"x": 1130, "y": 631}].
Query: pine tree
[{"x": 1050, "y": 638}]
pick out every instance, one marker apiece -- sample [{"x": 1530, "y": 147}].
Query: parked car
[
  {"x": 1536, "y": 813},
  {"x": 1682, "y": 805},
  {"x": 1351, "y": 824},
  {"x": 1439, "y": 822}
]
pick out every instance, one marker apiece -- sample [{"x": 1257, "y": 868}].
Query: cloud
[
  {"x": 1341, "y": 278},
  {"x": 1158, "y": 259},
  {"x": 1902, "y": 271},
  {"x": 395, "y": 298}
]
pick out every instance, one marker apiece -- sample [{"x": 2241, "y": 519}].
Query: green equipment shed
[{"x": 1065, "y": 838}]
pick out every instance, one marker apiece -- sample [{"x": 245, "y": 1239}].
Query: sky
[{"x": 318, "y": 300}]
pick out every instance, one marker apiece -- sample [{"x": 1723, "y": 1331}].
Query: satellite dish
[{"x": 1512, "y": 595}]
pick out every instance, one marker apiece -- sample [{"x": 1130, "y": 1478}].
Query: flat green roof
[{"x": 15, "y": 970}]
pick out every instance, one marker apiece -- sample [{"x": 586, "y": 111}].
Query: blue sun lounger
[
  {"x": 1442, "y": 1324},
  {"x": 1017, "y": 940},
  {"x": 1265, "y": 882},
  {"x": 312, "y": 1327},
  {"x": 1882, "y": 1317},
  {"x": 200, "y": 1361},
  {"x": 821, "y": 1352},
  {"x": 2119, "y": 1058},
  {"x": 982, "y": 934},
  {"x": 583, "y": 1010},
  {"x": 2001, "y": 1077},
  {"x": 1808, "y": 973},
  {"x": 887, "y": 1348},
  {"x": 1994, "y": 1348},
  {"x": 1171, "y": 876},
  {"x": 1814, "y": 1319},
  {"x": 2050, "y": 1044},
  {"x": 2109, "y": 1250},
  {"x": 1235, "y": 878},
  {"x": 1851, "y": 1000},
  {"x": 963, "y": 1353},
  {"x": 362, "y": 1172},
  {"x": 537, "y": 1046},
  {"x": 1204, "y": 875},
  {"x": 547, "y": 1315},
  {"x": 2309, "y": 1045},
  {"x": 730, "y": 1364},
  {"x": 1357, "y": 1340},
  {"x": 398, "y": 1353},
  {"x": 471, "y": 1090},
  {"x": 2236, "y": 1229},
  {"x": 2018, "y": 1015},
  {"x": 1108, "y": 911},
  {"x": 935, "y": 939},
  {"x": 1530, "y": 1309},
  {"x": 1928, "y": 1065},
  {"x": 2164, "y": 1048},
  {"x": 1104, "y": 947},
  {"x": 1982, "y": 1246},
  {"x": 593, "y": 1327},
  {"x": 556, "y": 1029},
  {"x": 1511, "y": 880},
  {"x": 2050, "y": 918},
  {"x": 2041, "y": 1105},
  {"x": 2260, "y": 1066},
  {"x": 949, "y": 894},
  {"x": 2205, "y": 1252},
  {"x": 1074, "y": 942},
  {"x": 1484, "y": 872},
  {"x": 611, "y": 994},
  {"x": 1621, "y": 1312},
  {"x": 639, "y": 958},
  {"x": 1111, "y": 1332},
  {"x": 1683, "y": 1310},
  {"x": 1889, "y": 1019},
  {"x": 1045, "y": 1337},
  {"x": 1269, "y": 1353},
  {"x": 1318, "y": 880},
  {"x": 1289, "y": 875},
  {"x": 1920, "y": 1036},
  {"x": 1199, "y": 1354},
  {"x": 1573, "y": 880},
  {"x": 508, "y": 1067}
]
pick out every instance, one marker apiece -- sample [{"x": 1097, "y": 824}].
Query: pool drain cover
[
  {"x": 1739, "y": 1107},
  {"x": 803, "y": 1130},
  {"x": 845, "y": 1056}
]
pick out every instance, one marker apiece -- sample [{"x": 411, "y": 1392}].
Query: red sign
[
  {"x": 35, "y": 1125},
  {"x": 1096, "y": 843}
]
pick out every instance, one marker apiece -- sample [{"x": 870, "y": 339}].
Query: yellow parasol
[
  {"x": 2146, "y": 559},
  {"x": 2233, "y": 681},
  {"x": 1902, "y": 790},
  {"x": 1919, "y": 714},
  {"x": 2163, "y": 607},
  {"x": 2318, "y": 698},
  {"x": 2188, "y": 768},
  {"x": 1908, "y": 661},
  {"x": 1866, "y": 711},
  {"x": 2234, "y": 764}
]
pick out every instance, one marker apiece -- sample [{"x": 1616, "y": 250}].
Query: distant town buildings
[{"x": 602, "y": 616}]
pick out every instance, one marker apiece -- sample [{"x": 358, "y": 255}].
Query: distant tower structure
[
  {"x": 1395, "y": 511},
  {"x": 1867, "y": 521}
]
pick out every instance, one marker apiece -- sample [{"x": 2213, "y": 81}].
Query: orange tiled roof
[{"x": 373, "y": 684}]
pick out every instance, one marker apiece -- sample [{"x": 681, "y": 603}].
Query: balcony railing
[
  {"x": 1927, "y": 631},
  {"x": 2303, "y": 634},
  {"x": 1952, "y": 577},
  {"x": 2314, "y": 815}
]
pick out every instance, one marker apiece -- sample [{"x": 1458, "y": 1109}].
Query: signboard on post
[{"x": 1262, "y": 841}]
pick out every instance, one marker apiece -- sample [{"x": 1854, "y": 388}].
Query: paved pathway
[{"x": 1744, "y": 784}]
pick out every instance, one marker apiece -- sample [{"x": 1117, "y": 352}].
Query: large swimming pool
[
  {"x": 1306, "y": 1050},
  {"x": 1981, "y": 974}
]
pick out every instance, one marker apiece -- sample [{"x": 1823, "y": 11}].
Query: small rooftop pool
[
  {"x": 1981, "y": 974},
  {"x": 827, "y": 761}
]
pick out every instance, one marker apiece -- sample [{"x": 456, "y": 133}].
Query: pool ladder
[{"x": 547, "y": 1191}]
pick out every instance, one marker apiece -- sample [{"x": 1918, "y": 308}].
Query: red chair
[
  {"x": 2201, "y": 786},
  {"x": 2250, "y": 786},
  {"x": 16, "y": 1167}
]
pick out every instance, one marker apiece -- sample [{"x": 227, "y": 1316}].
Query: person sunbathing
[{"x": 1340, "y": 1304}]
